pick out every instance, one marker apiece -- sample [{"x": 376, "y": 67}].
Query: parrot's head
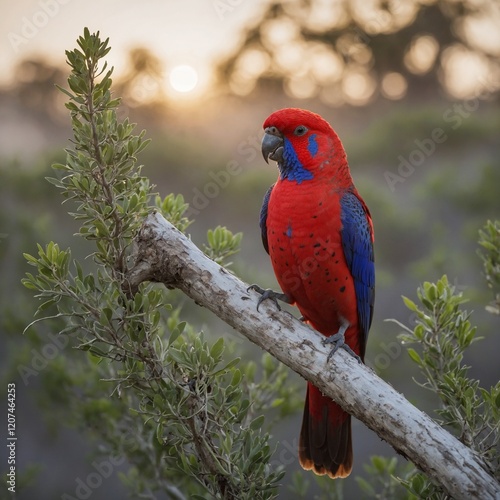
[{"x": 304, "y": 145}]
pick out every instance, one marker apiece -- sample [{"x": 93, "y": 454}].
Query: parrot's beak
[{"x": 272, "y": 145}]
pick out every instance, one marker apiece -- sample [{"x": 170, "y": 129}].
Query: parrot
[{"x": 319, "y": 235}]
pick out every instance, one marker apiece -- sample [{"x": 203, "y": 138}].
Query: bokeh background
[{"x": 412, "y": 88}]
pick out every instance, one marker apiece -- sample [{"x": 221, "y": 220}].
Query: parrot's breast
[{"x": 305, "y": 244}]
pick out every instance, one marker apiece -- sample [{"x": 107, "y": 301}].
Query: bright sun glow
[{"x": 183, "y": 78}]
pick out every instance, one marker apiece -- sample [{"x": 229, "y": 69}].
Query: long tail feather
[{"x": 325, "y": 445}]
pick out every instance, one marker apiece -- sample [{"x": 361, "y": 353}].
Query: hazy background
[{"x": 411, "y": 87}]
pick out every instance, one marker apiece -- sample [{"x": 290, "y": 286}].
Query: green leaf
[
  {"x": 410, "y": 304},
  {"x": 419, "y": 332},
  {"x": 176, "y": 333},
  {"x": 29, "y": 283},
  {"x": 159, "y": 432},
  {"x": 378, "y": 463},
  {"x": 226, "y": 368},
  {"x": 46, "y": 305},
  {"x": 497, "y": 401},
  {"x": 257, "y": 423},
  {"x": 217, "y": 349},
  {"x": 177, "y": 355},
  {"x": 106, "y": 316},
  {"x": 277, "y": 402},
  {"x": 415, "y": 356},
  {"x": 237, "y": 376}
]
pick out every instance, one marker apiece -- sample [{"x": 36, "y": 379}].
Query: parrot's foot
[
  {"x": 338, "y": 341},
  {"x": 266, "y": 294}
]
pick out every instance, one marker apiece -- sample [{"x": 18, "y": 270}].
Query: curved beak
[{"x": 272, "y": 145}]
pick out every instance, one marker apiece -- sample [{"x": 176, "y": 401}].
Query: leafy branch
[
  {"x": 184, "y": 402},
  {"x": 442, "y": 334},
  {"x": 489, "y": 239},
  {"x": 101, "y": 172}
]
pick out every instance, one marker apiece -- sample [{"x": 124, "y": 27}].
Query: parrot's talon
[
  {"x": 338, "y": 345},
  {"x": 352, "y": 353},
  {"x": 338, "y": 341},
  {"x": 266, "y": 294}
]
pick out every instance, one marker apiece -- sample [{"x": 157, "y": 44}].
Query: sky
[
  {"x": 197, "y": 33},
  {"x": 193, "y": 32}
]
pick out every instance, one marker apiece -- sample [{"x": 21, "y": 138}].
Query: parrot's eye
[{"x": 300, "y": 130}]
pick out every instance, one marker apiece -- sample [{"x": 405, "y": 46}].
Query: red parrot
[{"x": 319, "y": 234}]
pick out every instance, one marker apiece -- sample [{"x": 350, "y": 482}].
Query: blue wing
[
  {"x": 263, "y": 218},
  {"x": 357, "y": 242}
]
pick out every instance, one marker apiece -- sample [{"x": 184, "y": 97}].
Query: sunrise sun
[{"x": 183, "y": 78}]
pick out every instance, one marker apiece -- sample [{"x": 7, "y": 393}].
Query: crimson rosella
[{"x": 319, "y": 235}]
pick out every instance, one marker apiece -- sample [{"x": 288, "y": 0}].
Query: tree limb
[{"x": 164, "y": 254}]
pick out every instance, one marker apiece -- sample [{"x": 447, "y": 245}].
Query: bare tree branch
[{"x": 164, "y": 254}]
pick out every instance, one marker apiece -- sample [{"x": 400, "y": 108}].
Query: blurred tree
[
  {"x": 356, "y": 51},
  {"x": 142, "y": 88},
  {"x": 143, "y": 84},
  {"x": 35, "y": 87}
]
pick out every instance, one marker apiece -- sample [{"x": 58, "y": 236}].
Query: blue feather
[
  {"x": 291, "y": 168},
  {"x": 358, "y": 250},
  {"x": 263, "y": 218},
  {"x": 312, "y": 145}
]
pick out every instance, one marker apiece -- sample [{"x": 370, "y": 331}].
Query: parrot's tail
[{"x": 325, "y": 445}]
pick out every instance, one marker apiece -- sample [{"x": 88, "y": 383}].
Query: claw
[
  {"x": 338, "y": 341},
  {"x": 266, "y": 294}
]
